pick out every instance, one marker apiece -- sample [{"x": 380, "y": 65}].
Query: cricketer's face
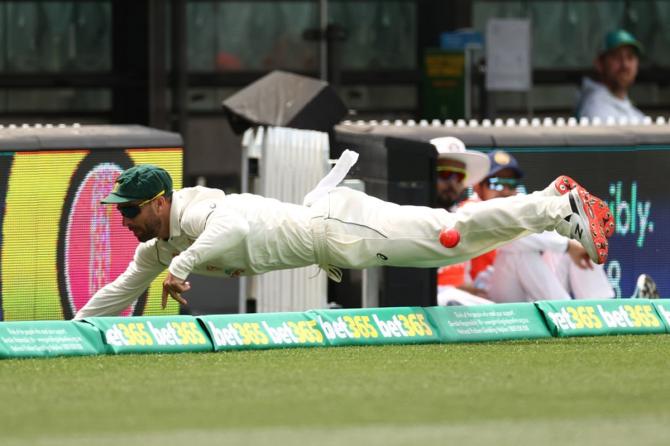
[
  {"x": 618, "y": 68},
  {"x": 450, "y": 177},
  {"x": 145, "y": 225},
  {"x": 503, "y": 184}
]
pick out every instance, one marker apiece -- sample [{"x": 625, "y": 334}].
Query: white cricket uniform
[
  {"x": 537, "y": 267},
  {"x": 242, "y": 234},
  {"x": 580, "y": 283},
  {"x": 521, "y": 275}
]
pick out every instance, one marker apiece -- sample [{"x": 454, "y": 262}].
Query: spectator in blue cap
[
  {"x": 616, "y": 68},
  {"x": 503, "y": 178}
]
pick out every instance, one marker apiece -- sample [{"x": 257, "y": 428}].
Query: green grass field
[{"x": 606, "y": 390}]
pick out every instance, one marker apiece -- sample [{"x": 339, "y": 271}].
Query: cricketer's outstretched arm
[{"x": 114, "y": 297}]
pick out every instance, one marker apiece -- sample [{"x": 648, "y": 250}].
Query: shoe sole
[
  {"x": 565, "y": 184},
  {"x": 584, "y": 203}
]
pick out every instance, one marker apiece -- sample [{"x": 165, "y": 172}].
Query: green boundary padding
[
  {"x": 324, "y": 328},
  {"x": 320, "y": 328},
  {"x": 376, "y": 326},
  {"x": 489, "y": 322},
  {"x": 663, "y": 309},
  {"x": 49, "y": 338},
  {"x": 261, "y": 331},
  {"x": 601, "y": 317},
  {"x": 152, "y": 334}
]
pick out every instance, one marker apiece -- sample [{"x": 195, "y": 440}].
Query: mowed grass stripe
[
  {"x": 590, "y": 431},
  {"x": 522, "y": 392}
]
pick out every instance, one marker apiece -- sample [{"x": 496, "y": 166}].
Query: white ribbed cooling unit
[{"x": 291, "y": 163}]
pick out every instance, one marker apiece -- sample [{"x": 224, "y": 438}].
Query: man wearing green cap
[
  {"x": 205, "y": 231},
  {"x": 616, "y": 67}
]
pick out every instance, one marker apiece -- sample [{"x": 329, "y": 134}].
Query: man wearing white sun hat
[{"x": 457, "y": 169}]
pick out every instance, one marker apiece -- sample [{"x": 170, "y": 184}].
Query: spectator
[
  {"x": 519, "y": 271},
  {"x": 616, "y": 68},
  {"x": 458, "y": 169}
]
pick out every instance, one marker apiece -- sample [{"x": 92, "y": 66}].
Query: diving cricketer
[{"x": 201, "y": 230}]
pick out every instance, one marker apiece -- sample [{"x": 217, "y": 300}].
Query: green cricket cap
[
  {"x": 620, "y": 37},
  {"x": 139, "y": 183}
]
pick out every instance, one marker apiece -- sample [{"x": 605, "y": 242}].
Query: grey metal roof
[
  {"x": 508, "y": 134},
  {"x": 47, "y": 136}
]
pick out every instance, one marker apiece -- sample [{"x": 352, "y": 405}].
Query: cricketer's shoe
[
  {"x": 561, "y": 186},
  {"x": 564, "y": 184},
  {"x": 605, "y": 214},
  {"x": 645, "y": 288},
  {"x": 585, "y": 226}
]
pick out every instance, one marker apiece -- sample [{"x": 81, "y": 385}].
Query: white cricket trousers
[
  {"x": 356, "y": 230},
  {"x": 581, "y": 283},
  {"x": 524, "y": 276}
]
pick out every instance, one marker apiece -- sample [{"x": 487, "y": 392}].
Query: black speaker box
[
  {"x": 402, "y": 171},
  {"x": 285, "y": 100}
]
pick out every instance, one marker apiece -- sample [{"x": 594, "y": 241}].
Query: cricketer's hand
[{"x": 174, "y": 287}]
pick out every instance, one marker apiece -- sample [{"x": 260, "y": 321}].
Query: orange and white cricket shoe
[
  {"x": 564, "y": 184},
  {"x": 586, "y": 226}
]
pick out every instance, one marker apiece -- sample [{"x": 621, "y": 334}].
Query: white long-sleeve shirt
[
  {"x": 214, "y": 234},
  {"x": 597, "y": 101}
]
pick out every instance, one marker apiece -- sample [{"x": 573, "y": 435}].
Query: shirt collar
[{"x": 175, "y": 212}]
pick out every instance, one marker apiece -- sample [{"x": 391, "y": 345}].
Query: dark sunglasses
[
  {"x": 500, "y": 184},
  {"x": 133, "y": 210},
  {"x": 451, "y": 173}
]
